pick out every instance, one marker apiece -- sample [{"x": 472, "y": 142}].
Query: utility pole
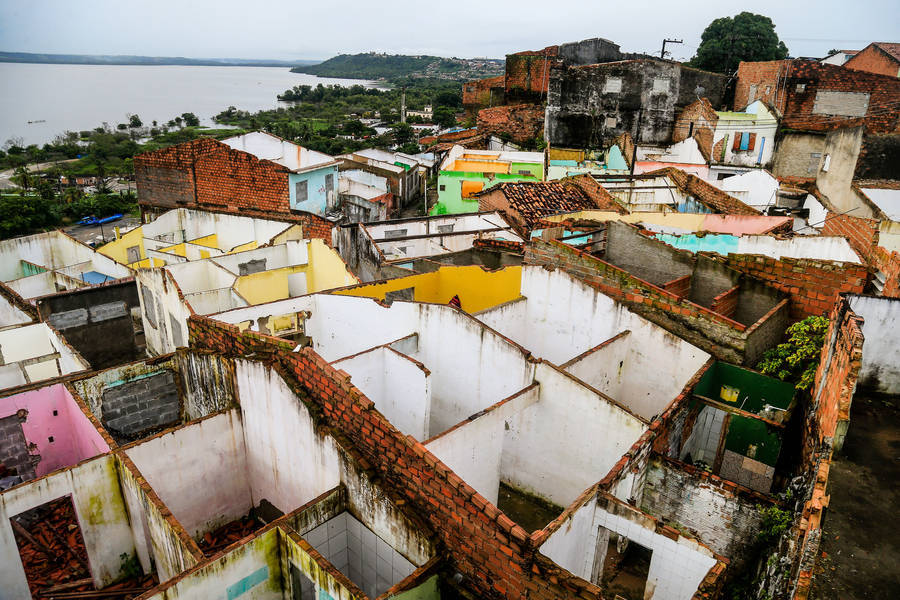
[
  {"x": 662, "y": 53},
  {"x": 634, "y": 143},
  {"x": 403, "y": 105}
]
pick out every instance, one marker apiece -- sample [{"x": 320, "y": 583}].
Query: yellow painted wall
[
  {"x": 265, "y": 286},
  {"x": 294, "y": 232},
  {"x": 210, "y": 241},
  {"x": 565, "y": 154},
  {"x": 481, "y": 166},
  {"x": 243, "y": 247},
  {"x": 177, "y": 250},
  {"x": 477, "y": 289},
  {"x": 118, "y": 249},
  {"x": 326, "y": 268}
]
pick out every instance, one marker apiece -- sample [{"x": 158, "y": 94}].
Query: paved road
[
  {"x": 6, "y": 176},
  {"x": 96, "y": 233}
]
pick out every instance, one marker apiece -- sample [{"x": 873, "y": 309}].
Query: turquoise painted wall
[
  {"x": 316, "y": 199},
  {"x": 721, "y": 244}
]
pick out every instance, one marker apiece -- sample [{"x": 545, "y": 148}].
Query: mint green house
[{"x": 465, "y": 172}]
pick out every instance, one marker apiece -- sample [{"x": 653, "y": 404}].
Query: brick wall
[
  {"x": 888, "y": 263},
  {"x": 492, "y": 552},
  {"x": 782, "y": 79},
  {"x": 812, "y": 284},
  {"x": 483, "y": 93},
  {"x": 681, "y": 287},
  {"x": 861, "y": 233},
  {"x": 522, "y": 123},
  {"x": 697, "y": 120},
  {"x": 529, "y": 72},
  {"x": 207, "y": 174},
  {"x": 873, "y": 59},
  {"x": 706, "y": 193},
  {"x": 726, "y": 303},
  {"x": 14, "y": 453},
  {"x": 827, "y": 422}
]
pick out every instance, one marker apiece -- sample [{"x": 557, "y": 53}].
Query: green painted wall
[
  {"x": 753, "y": 438},
  {"x": 428, "y": 590},
  {"x": 754, "y": 390}
]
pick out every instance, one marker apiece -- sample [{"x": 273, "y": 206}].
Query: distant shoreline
[{"x": 144, "y": 61}]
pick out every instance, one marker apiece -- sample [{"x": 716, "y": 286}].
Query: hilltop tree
[{"x": 729, "y": 40}]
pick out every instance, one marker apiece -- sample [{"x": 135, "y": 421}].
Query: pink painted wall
[
  {"x": 701, "y": 171},
  {"x": 74, "y": 436}
]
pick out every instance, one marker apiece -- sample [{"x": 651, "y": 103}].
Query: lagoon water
[{"x": 57, "y": 98}]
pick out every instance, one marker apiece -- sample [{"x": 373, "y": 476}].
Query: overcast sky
[{"x": 296, "y": 29}]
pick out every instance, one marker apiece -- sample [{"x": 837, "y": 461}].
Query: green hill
[{"x": 394, "y": 66}]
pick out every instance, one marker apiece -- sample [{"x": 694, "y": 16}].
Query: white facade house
[{"x": 745, "y": 138}]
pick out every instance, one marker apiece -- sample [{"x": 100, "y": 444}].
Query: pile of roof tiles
[
  {"x": 55, "y": 560},
  {"x": 214, "y": 541}
]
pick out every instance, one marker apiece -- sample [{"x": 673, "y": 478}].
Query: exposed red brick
[
  {"x": 878, "y": 57},
  {"x": 521, "y": 123}
]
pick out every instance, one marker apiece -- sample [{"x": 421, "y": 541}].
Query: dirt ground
[{"x": 860, "y": 550}]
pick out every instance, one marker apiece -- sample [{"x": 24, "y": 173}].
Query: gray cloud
[{"x": 294, "y": 29}]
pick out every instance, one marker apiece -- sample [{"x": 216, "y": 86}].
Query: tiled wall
[
  {"x": 704, "y": 439},
  {"x": 359, "y": 554}
]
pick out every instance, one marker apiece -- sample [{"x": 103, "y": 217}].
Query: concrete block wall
[
  {"x": 133, "y": 407},
  {"x": 14, "y": 448},
  {"x": 725, "y": 517},
  {"x": 487, "y": 547}
]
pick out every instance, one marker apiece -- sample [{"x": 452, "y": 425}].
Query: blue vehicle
[{"x": 92, "y": 220}]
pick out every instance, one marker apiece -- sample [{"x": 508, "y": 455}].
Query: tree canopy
[{"x": 729, "y": 40}]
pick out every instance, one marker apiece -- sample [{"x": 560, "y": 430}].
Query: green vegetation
[
  {"x": 45, "y": 197},
  {"x": 398, "y": 68},
  {"x": 727, "y": 41},
  {"x": 327, "y": 118},
  {"x": 797, "y": 359}
]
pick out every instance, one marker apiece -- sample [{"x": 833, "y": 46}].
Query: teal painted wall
[{"x": 721, "y": 244}]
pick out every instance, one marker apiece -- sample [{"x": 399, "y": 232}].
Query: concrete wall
[
  {"x": 199, "y": 471},
  {"x": 11, "y": 315},
  {"x": 252, "y": 571},
  {"x": 398, "y": 385},
  {"x": 33, "y": 342},
  {"x": 799, "y": 155},
  {"x": 207, "y": 383},
  {"x": 880, "y": 368},
  {"x": 543, "y": 323},
  {"x": 644, "y": 258},
  {"x": 99, "y": 508},
  {"x": 837, "y": 170},
  {"x": 62, "y": 434}
]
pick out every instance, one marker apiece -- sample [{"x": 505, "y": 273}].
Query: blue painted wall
[{"x": 316, "y": 199}]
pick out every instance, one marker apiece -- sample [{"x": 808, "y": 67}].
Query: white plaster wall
[
  {"x": 429, "y": 226},
  {"x": 676, "y": 567},
  {"x": 881, "y": 353},
  {"x": 51, "y": 250},
  {"x": 474, "y": 449},
  {"x": 34, "y": 286},
  {"x": 199, "y": 471},
  {"x": 99, "y": 509},
  {"x": 567, "y": 441},
  {"x": 214, "y": 301},
  {"x": 606, "y": 368},
  {"x": 398, "y": 386},
  {"x": 563, "y": 317},
  {"x": 283, "y": 255},
  {"x": 816, "y": 247},
  {"x": 683, "y": 152},
  {"x": 471, "y": 367},
  {"x": 168, "y": 306},
  {"x": 251, "y": 314},
  {"x": 201, "y": 275},
  {"x": 289, "y": 463},
  {"x": 12, "y": 315},
  {"x": 345, "y": 325},
  {"x": 574, "y": 544},
  {"x": 759, "y": 185}
]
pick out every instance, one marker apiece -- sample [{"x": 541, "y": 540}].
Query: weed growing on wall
[{"x": 797, "y": 359}]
